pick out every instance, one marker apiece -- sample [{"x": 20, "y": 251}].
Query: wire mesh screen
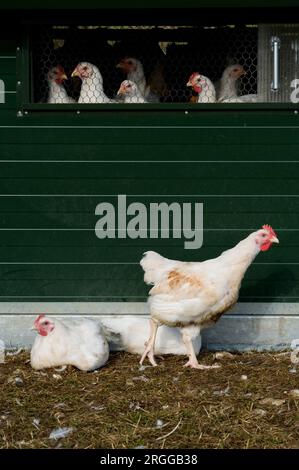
[
  {"x": 144, "y": 64},
  {"x": 287, "y": 36}
]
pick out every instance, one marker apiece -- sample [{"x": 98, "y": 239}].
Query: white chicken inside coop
[{"x": 236, "y": 63}]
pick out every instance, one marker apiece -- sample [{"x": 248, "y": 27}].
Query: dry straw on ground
[{"x": 121, "y": 406}]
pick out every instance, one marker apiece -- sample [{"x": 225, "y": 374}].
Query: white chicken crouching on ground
[
  {"x": 131, "y": 93},
  {"x": 196, "y": 294},
  {"x": 203, "y": 87},
  {"x": 57, "y": 92},
  {"x": 79, "y": 342},
  {"x": 130, "y": 334},
  {"x": 92, "y": 84}
]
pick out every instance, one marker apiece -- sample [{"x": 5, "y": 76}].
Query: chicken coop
[{"x": 110, "y": 112}]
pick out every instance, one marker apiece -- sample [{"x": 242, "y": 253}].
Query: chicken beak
[
  {"x": 121, "y": 90},
  {"x": 75, "y": 73},
  {"x": 126, "y": 68},
  {"x": 32, "y": 328},
  {"x": 63, "y": 76},
  {"x": 189, "y": 83},
  {"x": 274, "y": 240}
]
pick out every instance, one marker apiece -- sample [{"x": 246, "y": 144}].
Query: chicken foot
[
  {"x": 150, "y": 344},
  {"x": 193, "y": 362}
]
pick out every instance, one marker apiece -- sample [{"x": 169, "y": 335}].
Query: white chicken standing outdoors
[
  {"x": 131, "y": 93},
  {"x": 194, "y": 295},
  {"x": 80, "y": 343},
  {"x": 57, "y": 92},
  {"x": 92, "y": 84}
]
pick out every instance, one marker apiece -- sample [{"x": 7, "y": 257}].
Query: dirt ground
[{"x": 121, "y": 406}]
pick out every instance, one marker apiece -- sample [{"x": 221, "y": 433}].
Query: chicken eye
[{"x": 46, "y": 323}]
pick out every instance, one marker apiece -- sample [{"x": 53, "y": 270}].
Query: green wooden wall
[{"x": 56, "y": 166}]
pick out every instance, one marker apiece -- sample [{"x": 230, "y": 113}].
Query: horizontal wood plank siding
[{"x": 55, "y": 167}]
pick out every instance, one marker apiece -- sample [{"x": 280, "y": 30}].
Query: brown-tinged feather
[
  {"x": 193, "y": 99},
  {"x": 178, "y": 283}
]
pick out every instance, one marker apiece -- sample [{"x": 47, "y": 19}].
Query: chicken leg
[
  {"x": 193, "y": 362},
  {"x": 150, "y": 344}
]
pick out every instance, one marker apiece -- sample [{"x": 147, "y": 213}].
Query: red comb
[
  {"x": 270, "y": 229},
  {"x": 37, "y": 320}
]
